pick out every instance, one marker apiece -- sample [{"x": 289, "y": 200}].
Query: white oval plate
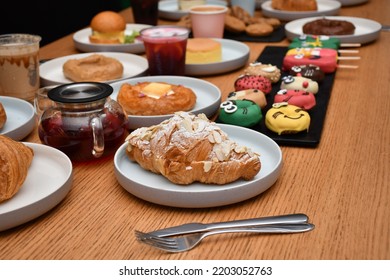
[
  {"x": 366, "y": 30},
  {"x": 169, "y": 9},
  {"x": 351, "y": 2},
  {"x": 20, "y": 117},
  {"x": 324, "y": 8},
  {"x": 48, "y": 181},
  {"x": 82, "y": 43},
  {"x": 51, "y": 72},
  {"x": 207, "y": 101},
  {"x": 234, "y": 55},
  {"x": 157, "y": 189}
]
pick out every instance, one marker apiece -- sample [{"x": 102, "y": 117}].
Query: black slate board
[
  {"x": 274, "y": 55},
  {"x": 276, "y": 36}
]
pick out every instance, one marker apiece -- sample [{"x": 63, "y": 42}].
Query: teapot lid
[{"x": 81, "y": 92}]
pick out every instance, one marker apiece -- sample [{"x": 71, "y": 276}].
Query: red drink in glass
[{"x": 165, "y": 48}]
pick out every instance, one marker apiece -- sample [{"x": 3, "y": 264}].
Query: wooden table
[{"x": 342, "y": 185}]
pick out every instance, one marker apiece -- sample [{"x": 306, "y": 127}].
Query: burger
[{"x": 108, "y": 27}]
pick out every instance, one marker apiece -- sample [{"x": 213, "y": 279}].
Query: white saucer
[
  {"x": 51, "y": 72},
  {"x": 48, "y": 181},
  {"x": 157, "y": 189},
  {"x": 20, "y": 117}
]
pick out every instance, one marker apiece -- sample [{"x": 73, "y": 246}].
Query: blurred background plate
[
  {"x": 51, "y": 72},
  {"x": 234, "y": 55},
  {"x": 352, "y": 2},
  {"x": 325, "y": 8},
  {"x": 366, "y": 30},
  {"x": 82, "y": 43}
]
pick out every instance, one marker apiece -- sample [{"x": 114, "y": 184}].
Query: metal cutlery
[
  {"x": 199, "y": 227},
  {"x": 189, "y": 241}
]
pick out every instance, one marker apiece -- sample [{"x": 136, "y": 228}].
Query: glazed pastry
[
  {"x": 244, "y": 82},
  {"x": 299, "y": 83},
  {"x": 259, "y": 29},
  {"x": 93, "y": 68},
  {"x": 310, "y": 71},
  {"x": 266, "y": 70},
  {"x": 326, "y": 26},
  {"x": 155, "y": 98},
  {"x": 188, "y": 148},
  {"x": 283, "y": 118},
  {"x": 303, "y": 99},
  {"x": 15, "y": 160},
  {"x": 3, "y": 116},
  {"x": 254, "y": 95},
  {"x": 240, "y": 112},
  {"x": 294, "y": 5}
]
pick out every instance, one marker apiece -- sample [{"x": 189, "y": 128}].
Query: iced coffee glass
[{"x": 19, "y": 65}]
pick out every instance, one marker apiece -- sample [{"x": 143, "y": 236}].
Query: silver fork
[{"x": 189, "y": 241}]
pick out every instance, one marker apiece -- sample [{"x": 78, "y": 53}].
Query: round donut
[
  {"x": 240, "y": 112},
  {"x": 325, "y": 26},
  {"x": 255, "y": 95},
  {"x": 266, "y": 70},
  {"x": 303, "y": 99},
  {"x": 284, "y": 118},
  {"x": 93, "y": 68},
  {"x": 244, "y": 82}
]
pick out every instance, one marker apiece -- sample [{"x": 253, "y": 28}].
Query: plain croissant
[
  {"x": 188, "y": 148},
  {"x": 15, "y": 160}
]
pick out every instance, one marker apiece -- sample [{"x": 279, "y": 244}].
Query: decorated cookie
[
  {"x": 255, "y": 95},
  {"x": 266, "y": 70},
  {"x": 240, "y": 112},
  {"x": 303, "y": 99},
  {"x": 253, "y": 82},
  {"x": 300, "y": 83},
  {"x": 310, "y": 71},
  {"x": 284, "y": 118}
]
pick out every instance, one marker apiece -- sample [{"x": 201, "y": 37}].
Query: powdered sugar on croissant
[{"x": 188, "y": 148}]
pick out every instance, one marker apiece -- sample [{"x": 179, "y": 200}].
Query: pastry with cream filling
[{"x": 155, "y": 98}]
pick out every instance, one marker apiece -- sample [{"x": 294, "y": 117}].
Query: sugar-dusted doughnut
[
  {"x": 303, "y": 99},
  {"x": 240, "y": 112},
  {"x": 284, "y": 118},
  {"x": 255, "y": 95},
  {"x": 253, "y": 82},
  {"x": 299, "y": 82}
]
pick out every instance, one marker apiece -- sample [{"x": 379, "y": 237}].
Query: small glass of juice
[{"x": 165, "y": 48}]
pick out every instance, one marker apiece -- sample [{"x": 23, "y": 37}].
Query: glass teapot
[{"x": 85, "y": 123}]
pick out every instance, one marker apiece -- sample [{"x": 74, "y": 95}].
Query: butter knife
[{"x": 199, "y": 227}]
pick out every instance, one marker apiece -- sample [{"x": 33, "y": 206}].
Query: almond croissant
[
  {"x": 189, "y": 148},
  {"x": 15, "y": 160}
]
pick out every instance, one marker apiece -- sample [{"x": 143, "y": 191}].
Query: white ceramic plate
[
  {"x": 208, "y": 97},
  {"x": 48, "y": 181},
  {"x": 351, "y": 2},
  {"x": 234, "y": 55},
  {"x": 366, "y": 30},
  {"x": 82, "y": 43},
  {"x": 20, "y": 117},
  {"x": 157, "y": 189},
  {"x": 325, "y": 8},
  {"x": 51, "y": 72},
  {"x": 170, "y": 9}
]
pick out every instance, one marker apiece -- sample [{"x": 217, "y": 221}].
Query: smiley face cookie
[{"x": 284, "y": 118}]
